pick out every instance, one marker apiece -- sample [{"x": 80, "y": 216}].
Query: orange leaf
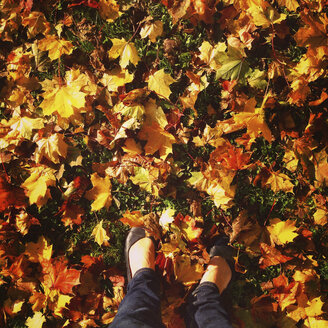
[
  {"x": 271, "y": 256},
  {"x": 57, "y": 276}
]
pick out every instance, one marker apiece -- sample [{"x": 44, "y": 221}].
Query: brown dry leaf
[
  {"x": 178, "y": 9},
  {"x": 100, "y": 234},
  {"x": 285, "y": 293},
  {"x": 291, "y": 5},
  {"x": 282, "y": 232},
  {"x": 109, "y": 10},
  {"x": 36, "y": 23},
  {"x": 100, "y": 193},
  {"x": 10, "y": 195}
]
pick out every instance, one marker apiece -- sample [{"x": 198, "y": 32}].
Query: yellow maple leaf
[
  {"x": 282, "y": 232},
  {"x": 125, "y": 50},
  {"x": 25, "y": 125},
  {"x": 263, "y": 14},
  {"x": 291, "y": 5},
  {"x": 160, "y": 83},
  {"x": 314, "y": 307},
  {"x": 37, "y": 184},
  {"x": 61, "y": 303},
  {"x": 133, "y": 219},
  {"x": 56, "y": 47},
  {"x": 320, "y": 216},
  {"x": 155, "y": 114},
  {"x": 157, "y": 140},
  {"x": 208, "y": 53},
  {"x": 186, "y": 272},
  {"x": 279, "y": 181},
  {"x": 152, "y": 30},
  {"x": 36, "y": 321},
  {"x": 132, "y": 147},
  {"x": 61, "y": 99},
  {"x": 290, "y": 160},
  {"x": 315, "y": 323},
  {"x": 41, "y": 250},
  {"x": 100, "y": 234},
  {"x": 100, "y": 193},
  {"x": 134, "y": 110},
  {"x": 52, "y": 148},
  {"x": 253, "y": 118},
  {"x": 116, "y": 78},
  {"x": 146, "y": 179},
  {"x": 109, "y": 10}
]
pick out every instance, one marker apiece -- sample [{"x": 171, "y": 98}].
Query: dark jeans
[{"x": 141, "y": 305}]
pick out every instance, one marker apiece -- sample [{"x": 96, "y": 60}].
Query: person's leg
[
  {"x": 141, "y": 304},
  {"x": 204, "y": 307}
]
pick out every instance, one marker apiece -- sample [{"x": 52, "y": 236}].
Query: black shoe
[{"x": 135, "y": 234}]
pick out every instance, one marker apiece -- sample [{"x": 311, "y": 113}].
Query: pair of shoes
[{"x": 135, "y": 234}]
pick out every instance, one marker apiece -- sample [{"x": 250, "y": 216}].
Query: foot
[
  {"x": 218, "y": 272},
  {"x": 142, "y": 255}
]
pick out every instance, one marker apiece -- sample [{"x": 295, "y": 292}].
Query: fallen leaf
[
  {"x": 100, "y": 234},
  {"x": 152, "y": 30},
  {"x": 185, "y": 271},
  {"x": 57, "y": 276},
  {"x": 271, "y": 256},
  {"x": 109, "y": 10},
  {"x": 52, "y": 148},
  {"x": 100, "y": 193},
  {"x": 36, "y": 321},
  {"x": 160, "y": 82},
  {"x": 39, "y": 251},
  {"x": 55, "y": 46},
  {"x": 282, "y": 232},
  {"x": 10, "y": 195},
  {"x": 125, "y": 50},
  {"x": 157, "y": 140},
  {"x": 36, "y": 186}
]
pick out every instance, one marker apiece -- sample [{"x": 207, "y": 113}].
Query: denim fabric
[
  {"x": 141, "y": 305},
  {"x": 204, "y": 308}
]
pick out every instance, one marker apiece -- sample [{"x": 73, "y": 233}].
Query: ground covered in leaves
[{"x": 191, "y": 118}]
